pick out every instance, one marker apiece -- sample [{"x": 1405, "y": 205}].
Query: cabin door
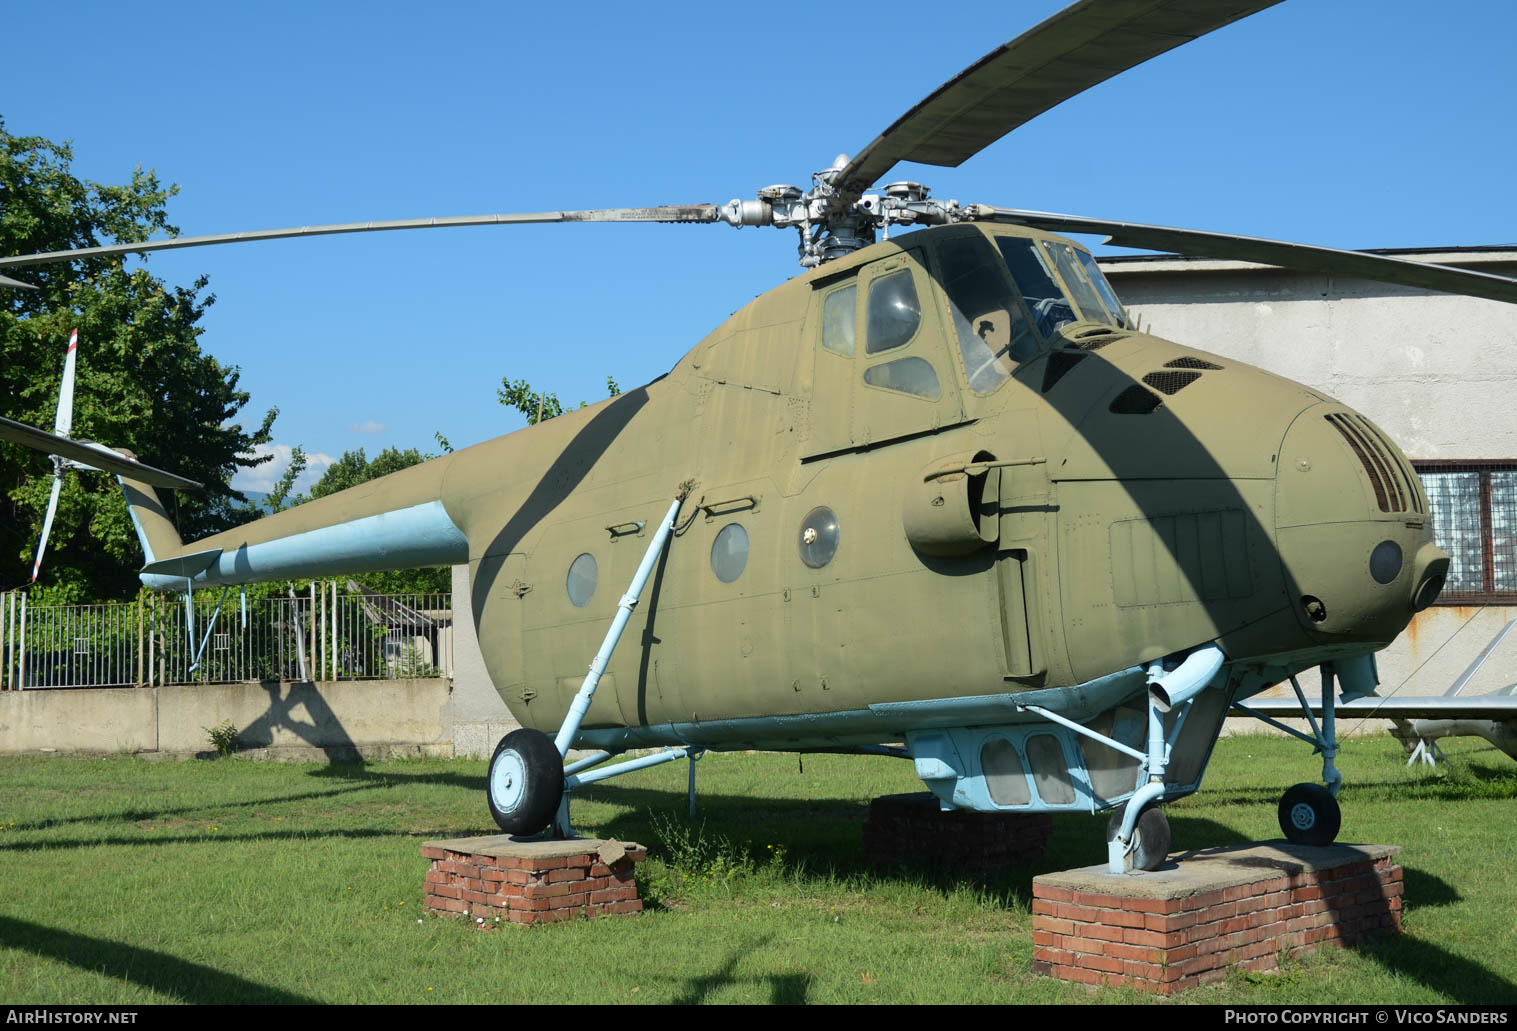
[{"x": 880, "y": 371}]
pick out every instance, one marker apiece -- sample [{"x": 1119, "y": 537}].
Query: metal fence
[{"x": 328, "y": 631}]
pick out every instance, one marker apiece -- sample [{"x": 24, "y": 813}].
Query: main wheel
[
  {"x": 1309, "y": 815},
  {"x": 1151, "y": 832},
  {"x": 526, "y": 782}
]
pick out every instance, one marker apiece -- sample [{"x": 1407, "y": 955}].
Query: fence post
[
  {"x": 141, "y": 600},
  {"x": 21, "y": 666},
  {"x": 314, "y": 633},
  {"x": 336, "y": 653},
  {"x": 321, "y": 629}
]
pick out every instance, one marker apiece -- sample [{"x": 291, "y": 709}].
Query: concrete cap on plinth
[
  {"x": 1203, "y": 870},
  {"x": 499, "y": 846}
]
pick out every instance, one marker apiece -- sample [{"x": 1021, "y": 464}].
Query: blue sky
[{"x": 1354, "y": 123}]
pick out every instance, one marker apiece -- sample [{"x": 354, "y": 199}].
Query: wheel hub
[
  {"x": 1303, "y": 816},
  {"x": 506, "y": 781}
]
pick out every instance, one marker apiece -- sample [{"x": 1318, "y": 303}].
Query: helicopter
[{"x": 935, "y": 497}]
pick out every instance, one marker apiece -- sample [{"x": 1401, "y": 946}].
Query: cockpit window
[
  {"x": 837, "y": 320},
  {"x": 1103, "y": 287},
  {"x": 1034, "y": 277},
  {"x": 994, "y": 334},
  {"x": 1079, "y": 282},
  {"x": 895, "y": 312}
]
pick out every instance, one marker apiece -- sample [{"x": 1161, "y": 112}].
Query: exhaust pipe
[{"x": 1186, "y": 680}]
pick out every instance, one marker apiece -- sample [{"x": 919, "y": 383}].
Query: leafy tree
[
  {"x": 279, "y": 498},
  {"x": 143, "y": 382},
  {"x": 536, "y": 405}
]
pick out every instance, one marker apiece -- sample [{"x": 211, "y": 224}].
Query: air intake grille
[
  {"x": 1171, "y": 382},
  {"x": 1191, "y": 363},
  {"x": 1395, "y": 485}
]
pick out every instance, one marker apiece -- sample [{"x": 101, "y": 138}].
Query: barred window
[{"x": 1474, "y": 510}]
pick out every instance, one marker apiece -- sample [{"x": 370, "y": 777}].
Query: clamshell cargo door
[{"x": 881, "y": 367}]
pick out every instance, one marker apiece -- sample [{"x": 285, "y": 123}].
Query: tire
[
  {"x": 1309, "y": 815},
  {"x": 525, "y": 782},
  {"x": 1151, "y": 848}
]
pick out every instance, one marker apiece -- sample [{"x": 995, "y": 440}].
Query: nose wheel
[
  {"x": 526, "y": 781},
  {"x": 1151, "y": 837},
  {"x": 1309, "y": 815}
]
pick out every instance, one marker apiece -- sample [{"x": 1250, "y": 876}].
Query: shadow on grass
[
  {"x": 158, "y": 971},
  {"x": 784, "y": 989},
  {"x": 360, "y": 771},
  {"x": 223, "y": 839},
  {"x": 356, "y": 775},
  {"x": 1424, "y": 889},
  {"x": 1467, "y": 783},
  {"x": 1460, "y": 979}
]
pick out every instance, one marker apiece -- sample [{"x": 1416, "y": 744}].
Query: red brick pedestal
[
  {"x": 1211, "y": 911},
  {"x": 531, "y": 882},
  {"x": 914, "y": 830}
]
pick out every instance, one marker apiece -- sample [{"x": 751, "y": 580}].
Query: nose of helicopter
[{"x": 1353, "y": 528}]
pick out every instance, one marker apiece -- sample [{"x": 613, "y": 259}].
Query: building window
[{"x": 1474, "y": 510}]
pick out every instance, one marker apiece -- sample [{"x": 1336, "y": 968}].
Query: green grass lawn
[{"x": 128, "y": 881}]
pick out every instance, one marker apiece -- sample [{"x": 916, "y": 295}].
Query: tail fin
[{"x": 155, "y": 530}]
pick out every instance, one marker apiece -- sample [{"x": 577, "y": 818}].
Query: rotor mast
[{"x": 832, "y": 220}]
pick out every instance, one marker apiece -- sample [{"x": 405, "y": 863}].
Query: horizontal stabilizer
[
  {"x": 89, "y": 454},
  {"x": 187, "y": 566}
]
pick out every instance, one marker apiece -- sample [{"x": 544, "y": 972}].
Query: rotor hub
[{"x": 833, "y": 222}]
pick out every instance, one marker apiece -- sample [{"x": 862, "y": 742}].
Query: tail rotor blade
[
  {"x": 65, "y": 420},
  {"x": 47, "y": 526}
]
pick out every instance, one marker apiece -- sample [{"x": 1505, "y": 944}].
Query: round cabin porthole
[
  {"x": 729, "y": 553},
  {"x": 581, "y": 580},
  {"x": 819, "y": 537}
]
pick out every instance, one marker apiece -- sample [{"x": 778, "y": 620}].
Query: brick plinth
[
  {"x": 914, "y": 830},
  {"x": 531, "y": 882},
  {"x": 1211, "y": 911}
]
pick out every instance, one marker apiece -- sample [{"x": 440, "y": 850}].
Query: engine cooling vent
[
  {"x": 1059, "y": 363},
  {"x": 1171, "y": 382},
  {"x": 1395, "y": 485},
  {"x": 1096, "y": 337},
  {"x": 1192, "y": 363},
  {"x": 1135, "y": 400}
]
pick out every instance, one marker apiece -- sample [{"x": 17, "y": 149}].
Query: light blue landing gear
[
  {"x": 528, "y": 785},
  {"x": 1137, "y": 838},
  {"x": 1309, "y": 813},
  {"x": 574, "y": 778},
  {"x": 1147, "y": 845}
]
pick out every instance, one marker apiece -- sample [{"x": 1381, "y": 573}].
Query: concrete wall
[
  {"x": 1436, "y": 371},
  {"x": 458, "y": 716},
  {"x": 342, "y": 720},
  {"x": 476, "y": 718}
]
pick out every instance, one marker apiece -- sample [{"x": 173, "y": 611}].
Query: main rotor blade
[
  {"x": 666, "y": 213},
  {"x": 1084, "y": 44},
  {"x": 63, "y": 422},
  {"x": 1300, "y": 256},
  {"x": 47, "y": 526},
  {"x": 97, "y": 456}
]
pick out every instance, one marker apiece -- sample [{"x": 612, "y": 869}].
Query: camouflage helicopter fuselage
[{"x": 950, "y": 505}]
